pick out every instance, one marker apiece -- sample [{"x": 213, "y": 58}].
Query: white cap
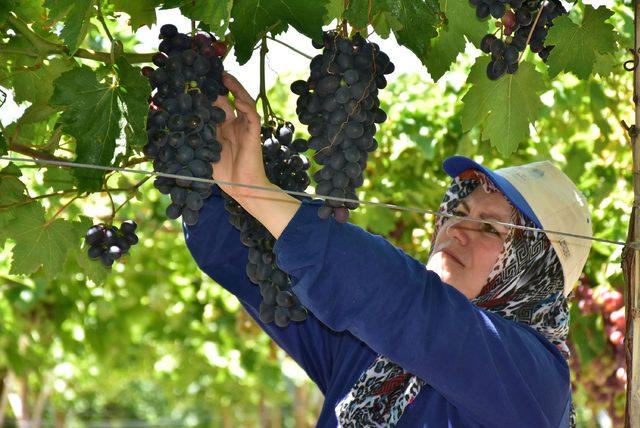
[{"x": 547, "y": 196}]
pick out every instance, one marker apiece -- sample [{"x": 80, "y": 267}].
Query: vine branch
[
  {"x": 132, "y": 193},
  {"x": 44, "y": 47},
  {"x": 48, "y": 223}
]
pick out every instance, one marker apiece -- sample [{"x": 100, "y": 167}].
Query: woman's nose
[{"x": 461, "y": 230}]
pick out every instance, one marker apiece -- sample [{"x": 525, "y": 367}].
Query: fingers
[
  {"x": 248, "y": 112},
  {"x": 236, "y": 88},
  {"x": 223, "y": 103}
]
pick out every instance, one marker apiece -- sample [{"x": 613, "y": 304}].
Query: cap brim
[{"x": 455, "y": 165}]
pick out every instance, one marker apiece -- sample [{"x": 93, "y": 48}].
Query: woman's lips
[{"x": 455, "y": 259}]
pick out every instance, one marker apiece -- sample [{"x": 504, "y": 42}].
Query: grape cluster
[
  {"x": 182, "y": 119},
  {"x": 109, "y": 243},
  {"x": 516, "y": 17},
  {"x": 286, "y": 167},
  {"x": 339, "y": 104},
  {"x": 604, "y": 378}
]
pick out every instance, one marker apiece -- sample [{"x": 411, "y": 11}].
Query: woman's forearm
[{"x": 274, "y": 209}]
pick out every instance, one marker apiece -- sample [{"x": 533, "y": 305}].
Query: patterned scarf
[{"x": 525, "y": 285}]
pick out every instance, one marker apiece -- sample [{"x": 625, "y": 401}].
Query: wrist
[{"x": 273, "y": 208}]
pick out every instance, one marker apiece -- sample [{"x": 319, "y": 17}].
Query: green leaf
[
  {"x": 384, "y": 22},
  {"x": 76, "y": 15},
  {"x": 133, "y": 90},
  {"x": 58, "y": 179},
  {"x": 461, "y": 22},
  {"x": 357, "y": 13},
  {"x": 253, "y": 18},
  {"x": 576, "y": 45},
  {"x": 36, "y": 113},
  {"x": 604, "y": 64},
  {"x": 335, "y": 9},
  {"x": 6, "y": 6},
  {"x": 12, "y": 190},
  {"x": 91, "y": 115},
  {"x": 504, "y": 107},
  {"x": 419, "y": 21},
  {"x": 40, "y": 243},
  {"x": 214, "y": 13},
  {"x": 141, "y": 12},
  {"x": 36, "y": 85}
]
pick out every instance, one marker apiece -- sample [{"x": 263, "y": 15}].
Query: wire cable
[{"x": 634, "y": 245}]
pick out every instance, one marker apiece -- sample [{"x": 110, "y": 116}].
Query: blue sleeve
[
  {"x": 499, "y": 372},
  {"x": 215, "y": 245}
]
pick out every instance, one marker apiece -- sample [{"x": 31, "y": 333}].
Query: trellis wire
[{"x": 634, "y": 245}]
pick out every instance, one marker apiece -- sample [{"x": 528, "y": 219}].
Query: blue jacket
[{"x": 367, "y": 297}]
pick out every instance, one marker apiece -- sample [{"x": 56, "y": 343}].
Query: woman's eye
[{"x": 490, "y": 229}]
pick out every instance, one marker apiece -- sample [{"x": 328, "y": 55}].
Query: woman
[{"x": 474, "y": 339}]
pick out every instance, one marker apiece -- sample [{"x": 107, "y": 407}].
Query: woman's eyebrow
[{"x": 486, "y": 215}]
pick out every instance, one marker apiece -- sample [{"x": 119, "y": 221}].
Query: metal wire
[{"x": 634, "y": 245}]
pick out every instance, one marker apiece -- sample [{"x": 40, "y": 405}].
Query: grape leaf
[
  {"x": 576, "y": 45},
  {"x": 419, "y": 20},
  {"x": 141, "y": 12},
  {"x": 461, "y": 22},
  {"x": 40, "y": 243},
  {"x": 12, "y": 190},
  {"x": 252, "y": 18},
  {"x": 76, "y": 15},
  {"x": 504, "y": 107},
  {"x": 58, "y": 179},
  {"x": 384, "y": 22},
  {"x": 133, "y": 91},
  {"x": 214, "y": 13},
  {"x": 335, "y": 8},
  {"x": 42, "y": 77},
  {"x": 90, "y": 114}
]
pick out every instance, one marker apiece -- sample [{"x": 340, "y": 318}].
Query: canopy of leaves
[{"x": 153, "y": 338}]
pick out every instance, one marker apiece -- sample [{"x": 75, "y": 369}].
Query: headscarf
[{"x": 525, "y": 285}]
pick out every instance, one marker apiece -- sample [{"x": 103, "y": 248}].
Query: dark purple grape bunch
[
  {"x": 516, "y": 17},
  {"x": 284, "y": 163},
  {"x": 339, "y": 103},
  {"x": 286, "y": 167},
  {"x": 182, "y": 121},
  {"x": 110, "y": 243}
]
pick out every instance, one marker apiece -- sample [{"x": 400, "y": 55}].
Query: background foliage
[{"x": 155, "y": 339}]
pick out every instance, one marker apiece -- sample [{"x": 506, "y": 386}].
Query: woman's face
[{"x": 465, "y": 251}]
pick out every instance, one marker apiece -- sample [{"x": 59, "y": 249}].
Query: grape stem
[
  {"x": 48, "y": 223},
  {"x": 113, "y": 206},
  {"x": 290, "y": 47},
  {"x": 533, "y": 27},
  {"x": 103, "y": 22},
  {"x": 132, "y": 193},
  {"x": 267, "y": 111}
]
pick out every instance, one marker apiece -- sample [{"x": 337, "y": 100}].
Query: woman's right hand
[{"x": 241, "y": 157}]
